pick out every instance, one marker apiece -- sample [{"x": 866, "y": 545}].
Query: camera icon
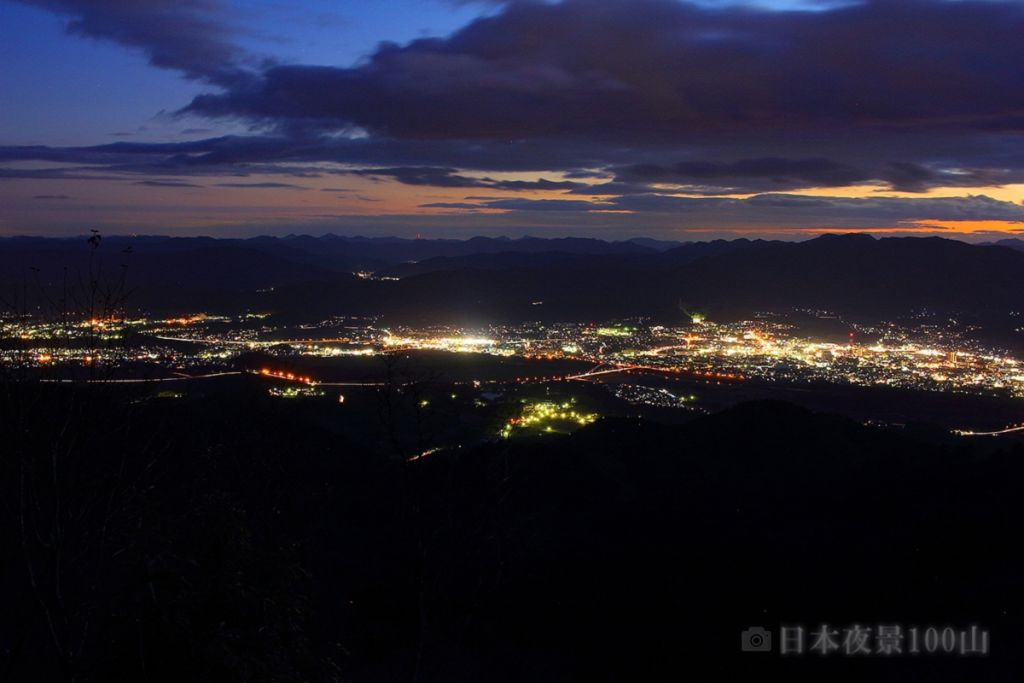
[{"x": 756, "y": 639}]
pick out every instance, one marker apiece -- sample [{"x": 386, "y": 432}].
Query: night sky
[{"x": 605, "y": 118}]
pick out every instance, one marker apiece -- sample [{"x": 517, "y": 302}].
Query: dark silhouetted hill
[
  {"x": 1013, "y": 243},
  {"x": 259, "y": 543},
  {"x": 493, "y": 279}
]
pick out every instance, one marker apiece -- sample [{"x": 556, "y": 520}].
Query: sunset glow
[{"x": 553, "y": 132}]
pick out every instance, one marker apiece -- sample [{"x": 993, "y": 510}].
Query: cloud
[
  {"x": 773, "y": 207},
  {"x": 523, "y": 205},
  {"x": 262, "y": 186},
  {"x": 971, "y": 163},
  {"x": 190, "y": 36},
  {"x": 453, "y": 205},
  {"x": 166, "y": 183},
  {"x": 449, "y": 177},
  {"x": 53, "y": 174},
  {"x": 637, "y": 102},
  {"x": 769, "y": 173},
  {"x": 745, "y": 100},
  {"x": 434, "y": 177},
  {"x": 665, "y": 70},
  {"x": 51, "y": 196},
  {"x": 776, "y": 209}
]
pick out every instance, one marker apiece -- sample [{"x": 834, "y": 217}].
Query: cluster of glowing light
[
  {"x": 330, "y": 351},
  {"x": 614, "y": 331},
  {"x": 100, "y": 323},
  {"x": 547, "y": 417},
  {"x": 737, "y": 350},
  {"x": 294, "y": 392},
  {"x": 451, "y": 344},
  {"x": 368, "y": 275},
  {"x": 639, "y": 394},
  {"x": 188, "y": 320},
  {"x": 923, "y": 354}
]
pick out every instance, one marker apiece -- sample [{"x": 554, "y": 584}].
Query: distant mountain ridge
[
  {"x": 499, "y": 279},
  {"x": 345, "y": 253},
  {"x": 1011, "y": 243}
]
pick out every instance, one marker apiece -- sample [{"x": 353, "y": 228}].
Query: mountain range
[{"x": 498, "y": 279}]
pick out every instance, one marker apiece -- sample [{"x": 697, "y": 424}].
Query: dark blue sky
[
  {"x": 108, "y": 89},
  {"x": 602, "y": 117}
]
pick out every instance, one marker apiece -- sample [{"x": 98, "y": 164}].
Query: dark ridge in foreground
[{"x": 206, "y": 539}]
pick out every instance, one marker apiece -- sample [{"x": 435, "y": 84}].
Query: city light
[{"x": 934, "y": 356}]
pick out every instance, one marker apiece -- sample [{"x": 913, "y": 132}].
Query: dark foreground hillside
[{"x": 222, "y": 539}]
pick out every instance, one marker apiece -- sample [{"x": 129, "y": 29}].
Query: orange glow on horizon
[
  {"x": 1016, "y": 227},
  {"x": 310, "y": 203},
  {"x": 920, "y": 227}
]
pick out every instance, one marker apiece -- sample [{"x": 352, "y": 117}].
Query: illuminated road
[
  {"x": 583, "y": 376},
  {"x": 181, "y": 378},
  {"x": 1000, "y": 432},
  {"x": 209, "y": 342},
  {"x": 253, "y": 343},
  {"x": 595, "y": 372}
]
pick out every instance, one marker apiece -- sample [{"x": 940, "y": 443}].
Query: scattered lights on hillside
[
  {"x": 294, "y": 392},
  {"x": 547, "y": 417}
]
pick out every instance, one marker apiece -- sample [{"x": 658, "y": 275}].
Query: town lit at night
[{"x": 511, "y": 341}]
